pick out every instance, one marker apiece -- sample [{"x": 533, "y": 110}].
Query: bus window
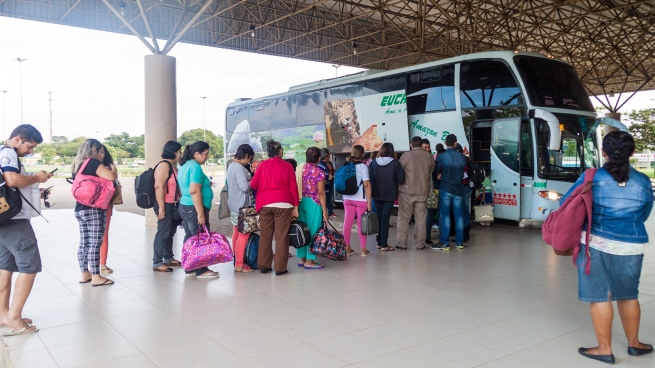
[
  {"x": 384, "y": 85},
  {"x": 259, "y": 116},
  {"x": 283, "y": 112},
  {"x": 235, "y": 115},
  {"x": 344, "y": 92},
  {"x": 505, "y": 143},
  {"x": 526, "y": 150},
  {"x": 487, "y": 83},
  {"x": 552, "y": 83},
  {"x": 310, "y": 108},
  {"x": 431, "y": 90}
]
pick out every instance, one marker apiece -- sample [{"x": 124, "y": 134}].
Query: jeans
[
  {"x": 328, "y": 202},
  {"x": 163, "y": 244},
  {"x": 446, "y": 201},
  {"x": 383, "y": 210},
  {"x": 190, "y": 225},
  {"x": 467, "y": 211}
]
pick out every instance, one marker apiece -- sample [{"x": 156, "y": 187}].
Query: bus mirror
[{"x": 553, "y": 124}]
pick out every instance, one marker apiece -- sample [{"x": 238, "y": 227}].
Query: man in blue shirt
[{"x": 450, "y": 170}]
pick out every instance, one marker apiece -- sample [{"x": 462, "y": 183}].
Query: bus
[{"x": 523, "y": 115}]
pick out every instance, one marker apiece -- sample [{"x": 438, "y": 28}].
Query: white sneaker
[{"x": 435, "y": 226}]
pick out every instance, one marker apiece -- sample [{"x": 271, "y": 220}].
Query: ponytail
[
  {"x": 191, "y": 150},
  {"x": 618, "y": 147}
]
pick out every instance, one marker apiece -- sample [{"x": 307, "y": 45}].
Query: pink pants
[
  {"x": 239, "y": 242},
  {"x": 351, "y": 208},
  {"x": 104, "y": 248}
]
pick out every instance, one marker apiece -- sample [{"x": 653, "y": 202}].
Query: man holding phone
[{"x": 19, "y": 250}]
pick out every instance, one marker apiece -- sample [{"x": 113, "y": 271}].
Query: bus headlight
[{"x": 550, "y": 195}]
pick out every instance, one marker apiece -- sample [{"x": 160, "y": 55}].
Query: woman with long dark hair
[
  {"x": 239, "y": 195},
  {"x": 168, "y": 194},
  {"x": 197, "y": 195},
  {"x": 276, "y": 203},
  {"x": 623, "y": 200},
  {"x": 386, "y": 175},
  {"x": 313, "y": 207},
  {"x": 357, "y": 204},
  {"x": 91, "y": 220}
]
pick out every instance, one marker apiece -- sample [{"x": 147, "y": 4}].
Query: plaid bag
[{"x": 329, "y": 244}]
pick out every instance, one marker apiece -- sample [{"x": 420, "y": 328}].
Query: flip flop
[
  {"x": 22, "y": 331},
  {"x": 107, "y": 282},
  {"x": 85, "y": 282},
  {"x": 28, "y": 321},
  {"x": 387, "y": 249},
  {"x": 157, "y": 269},
  {"x": 209, "y": 275},
  {"x": 244, "y": 270},
  {"x": 314, "y": 267},
  {"x": 106, "y": 269},
  {"x": 174, "y": 263}
]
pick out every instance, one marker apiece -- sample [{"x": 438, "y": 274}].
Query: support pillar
[
  {"x": 612, "y": 115},
  {"x": 160, "y": 111}
]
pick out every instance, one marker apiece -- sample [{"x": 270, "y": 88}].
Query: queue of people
[{"x": 623, "y": 200}]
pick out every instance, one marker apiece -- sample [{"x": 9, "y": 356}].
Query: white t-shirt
[
  {"x": 9, "y": 163},
  {"x": 361, "y": 174}
]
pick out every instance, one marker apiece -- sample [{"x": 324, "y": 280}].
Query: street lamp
[
  {"x": 336, "y": 70},
  {"x": 4, "y": 113},
  {"x": 20, "y": 63},
  {"x": 204, "y": 120}
]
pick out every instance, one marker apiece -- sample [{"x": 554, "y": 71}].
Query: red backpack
[
  {"x": 91, "y": 190},
  {"x": 563, "y": 227}
]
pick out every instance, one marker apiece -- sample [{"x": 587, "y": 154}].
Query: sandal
[
  {"x": 351, "y": 252},
  {"x": 387, "y": 249},
  {"x": 244, "y": 270},
  {"x": 28, "y": 321},
  {"x": 28, "y": 329},
  {"x": 167, "y": 269},
  {"x": 208, "y": 275},
  {"x": 364, "y": 254},
  {"x": 107, "y": 282},
  {"x": 315, "y": 266},
  {"x": 105, "y": 269},
  {"x": 174, "y": 263}
]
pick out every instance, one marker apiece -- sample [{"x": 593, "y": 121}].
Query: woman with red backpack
[{"x": 91, "y": 218}]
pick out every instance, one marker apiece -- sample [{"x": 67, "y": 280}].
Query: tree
[
  {"x": 215, "y": 141},
  {"x": 133, "y": 145},
  {"x": 642, "y": 127},
  {"x": 59, "y": 139}
]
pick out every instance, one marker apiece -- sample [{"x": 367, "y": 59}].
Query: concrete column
[
  {"x": 612, "y": 115},
  {"x": 161, "y": 111}
]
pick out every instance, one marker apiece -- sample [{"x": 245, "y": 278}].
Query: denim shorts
[{"x": 612, "y": 277}]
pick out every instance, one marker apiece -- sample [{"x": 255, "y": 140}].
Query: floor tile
[
  {"x": 556, "y": 354},
  {"x": 255, "y": 342},
  {"x": 297, "y": 357},
  {"x": 278, "y": 314},
  {"x": 142, "y": 321},
  {"x": 485, "y": 311},
  {"x": 92, "y": 352},
  {"x": 538, "y": 326},
  {"x": 225, "y": 323},
  {"x": 169, "y": 336},
  {"x": 76, "y": 333},
  {"x": 458, "y": 352},
  {"x": 34, "y": 359},
  {"x": 315, "y": 328},
  {"x": 511, "y": 361},
  {"x": 401, "y": 358},
  {"x": 354, "y": 347},
  {"x": 501, "y": 338},
  {"x": 134, "y": 361},
  {"x": 203, "y": 353}
]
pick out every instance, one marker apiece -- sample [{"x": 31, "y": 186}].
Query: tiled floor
[{"x": 504, "y": 301}]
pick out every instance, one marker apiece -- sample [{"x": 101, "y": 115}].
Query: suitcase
[
  {"x": 370, "y": 224},
  {"x": 299, "y": 235}
]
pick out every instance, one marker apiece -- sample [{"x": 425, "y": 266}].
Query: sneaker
[
  {"x": 435, "y": 226},
  {"x": 460, "y": 246},
  {"x": 440, "y": 246},
  {"x": 428, "y": 242}
]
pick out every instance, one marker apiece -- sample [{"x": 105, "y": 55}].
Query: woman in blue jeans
[
  {"x": 623, "y": 200},
  {"x": 197, "y": 196},
  {"x": 386, "y": 174}
]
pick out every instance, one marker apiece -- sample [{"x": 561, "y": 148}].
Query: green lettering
[
  {"x": 403, "y": 100},
  {"x": 384, "y": 100}
]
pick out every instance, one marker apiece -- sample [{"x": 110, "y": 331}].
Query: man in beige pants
[{"x": 418, "y": 166}]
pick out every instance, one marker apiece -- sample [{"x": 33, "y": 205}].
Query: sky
[{"x": 97, "y": 80}]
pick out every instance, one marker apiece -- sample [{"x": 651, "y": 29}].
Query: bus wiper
[{"x": 511, "y": 99}]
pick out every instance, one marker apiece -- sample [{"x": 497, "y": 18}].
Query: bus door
[{"x": 505, "y": 168}]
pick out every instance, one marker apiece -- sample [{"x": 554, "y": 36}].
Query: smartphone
[
  {"x": 53, "y": 171},
  {"x": 48, "y": 188}
]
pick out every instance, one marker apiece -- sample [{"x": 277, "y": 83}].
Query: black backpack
[
  {"x": 144, "y": 186},
  {"x": 475, "y": 173},
  {"x": 10, "y": 201}
]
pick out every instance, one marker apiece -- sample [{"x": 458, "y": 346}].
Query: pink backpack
[
  {"x": 91, "y": 190},
  {"x": 563, "y": 227}
]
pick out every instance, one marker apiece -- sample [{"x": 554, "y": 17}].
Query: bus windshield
[
  {"x": 578, "y": 150},
  {"x": 552, "y": 83}
]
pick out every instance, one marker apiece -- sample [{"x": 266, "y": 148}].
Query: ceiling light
[
  {"x": 122, "y": 7},
  {"x": 355, "y": 47},
  {"x": 252, "y": 30}
]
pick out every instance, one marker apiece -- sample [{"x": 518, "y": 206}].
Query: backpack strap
[{"x": 586, "y": 193}]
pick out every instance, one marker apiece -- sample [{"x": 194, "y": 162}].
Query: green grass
[{"x": 64, "y": 171}]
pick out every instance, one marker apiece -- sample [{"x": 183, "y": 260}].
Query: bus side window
[
  {"x": 283, "y": 112},
  {"x": 488, "y": 83},
  {"x": 431, "y": 90},
  {"x": 384, "y": 85},
  {"x": 310, "y": 108}
]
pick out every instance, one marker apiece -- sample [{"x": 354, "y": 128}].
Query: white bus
[{"x": 525, "y": 116}]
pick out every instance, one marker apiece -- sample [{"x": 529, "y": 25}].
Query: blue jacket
[
  {"x": 619, "y": 213},
  {"x": 450, "y": 165}
]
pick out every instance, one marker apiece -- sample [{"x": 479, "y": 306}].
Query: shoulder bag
[
  {"x": 248, "y": 220},
  {"x": 329, "y": 243}
]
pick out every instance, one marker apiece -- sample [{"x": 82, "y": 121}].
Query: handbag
[
  {"x": 483, "y": 213},
  {"x": 433, "y": 199},
  {"x": 205, "y": 249},
  {"x": 329, "y": 244},
  {"x": 370, "y": 224},
  {"x": 248, "y": 220},
  {"x": 299, "y": 235},
  {"x": 92, "y": 191},
  {"x": 118, "y": 193},
  {"x": 223, "y": 210}
]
